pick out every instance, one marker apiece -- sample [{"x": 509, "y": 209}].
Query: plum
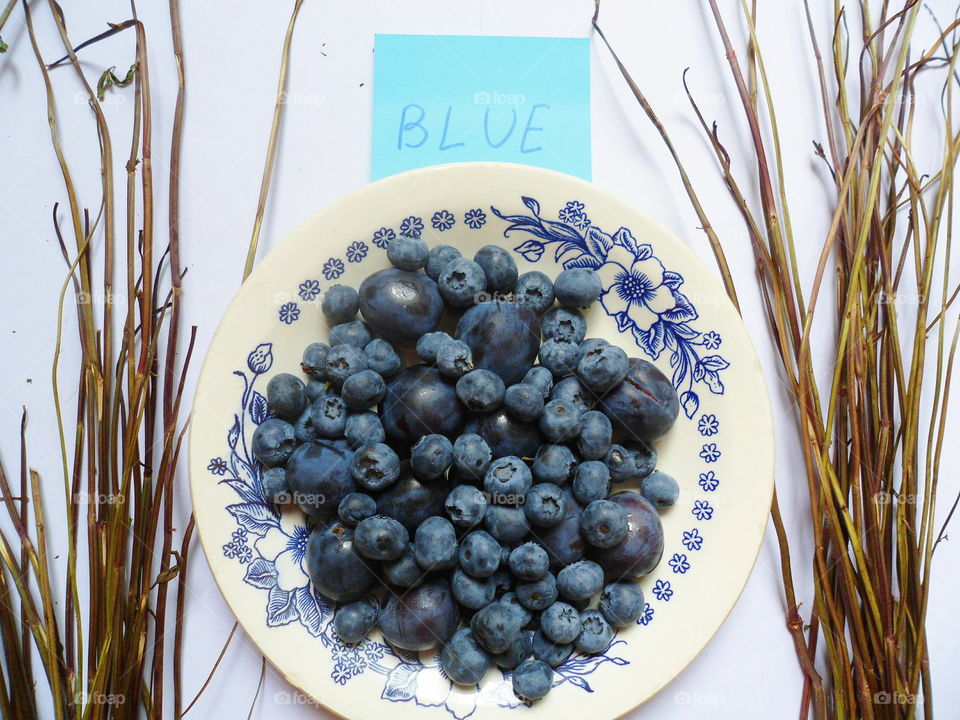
[
  {"x": 336, "y": 570},
  {"x": 644, "y": 405},
  {"x": 421, "y": 618},
  {"x": 421, "y": 401},
  {"x": 410, "y": 501},
  {"x": 400, "y": 305},
  {"x": 503, "y": 337},
  {"x": 563, "y": 541},
  {"x": 318, "y": 474},
  {"x": 506, "y": 435},
  {"x": 640, "y": 550}
]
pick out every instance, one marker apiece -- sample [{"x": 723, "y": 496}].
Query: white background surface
[{"x": 232, "y": 51}]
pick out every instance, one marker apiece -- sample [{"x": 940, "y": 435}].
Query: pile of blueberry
[{"x": 464, "y": 499}]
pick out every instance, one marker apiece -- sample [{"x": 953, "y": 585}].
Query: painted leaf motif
[
  {"x": 401, "y": 683},
  {"x": 644, "y": 251},
  {"x": 690, "y": 402},
  {"x": 578, "y": 681},
  {"x": 246, "y": 493},
  {"x": 598, "y": 243},
  {"x": 714, "y": 362},
  {"x": 652, "y": 340},
  {"x": 234, "y": 433},
  {"x": 308, "y": 611},
  {"x": 281, "y": 608},
  {"x": 254, "y": 517},
  {"x": 584, "y": 261},
  {"x": 683, "y": 311},
  {"x": 672, "y": 280},
  {"x": 532, "y": 204},
  {"x": 261, "y": 573},
  {"x": 258, "y": 408},
  {"x": 531, "y": 250},
  {"x": 624, "y": 237},
  {"x": 712, "y": 379}
]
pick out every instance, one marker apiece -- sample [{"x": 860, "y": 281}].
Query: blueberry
[
  {"x": 550, "y": 652},
  {"x": 495, "y": 627},
  {"x": 354, "y": 333},
  {"x": 379, "y": 537},
  {"x": 480, "y": 390},
  {"x": 363, "y": 428},
  {"x": 589, "y": 345},
  {"x": 524, "y": 402},
  {"x": 502, "y": 580},
  {"x": 563, "y": 323},
  {"x": 499, "y": 268},
  {"x": 591, "y": 482},
  {"x": 382, "y": 357},
  {"x": 466, "y": 506},
  {"x": 438, "y": 258},
  {"x": 471, "y": 455},
  {"x": 405, "y": 571},
  {"x": 431, "y": 456},
  {"x": 355, "y": 507},
  {"x": 580, "y": 581},
  {"x": 319, "y": 476},
  {"x": 540, "y": 378},
  {"x": 336, "y": 570},
  {"x": 407, "y": 253},
  {"x": 328, "y": 416},
  {"x": 303, "y": 429},
  {"x": 363, "y": 390},
  {"x": 640, "y": 551},
  {"x": 561, "y": 623},
  {"x": 506, "y": 524},
  {"x": 421, "y": 618},
  {"x": 342, "y": 362},
  {"x": 596, "y": 433},
  {"x": 519, "y": 650},
  {"x": 503, "y": 336},
  {"x": 460, "y": 282},
  {"x": 286, "y": 396},
  {"x": 507, "y": 480},
  {"x": 532, "y": 679},
  {"x": 340, "y": 304},
  {"x": 560, "y": 421},
  {"x": 314, "y": 360},
  {"x": 354, "y": 620},
  {"x": 539, "y": 594},
  {"x": 644, "y": 458},
  {"x": 546, "y": 505},
  {"x": 511, "y": 601},
  {"x": 559, "y": 356},
  {"x": 479, "y": 554},
  {"x": 505, "y": 435},
  {"x": 603, "y": 368},
  {"x": 375, "y": 466},
  {"x": 454, "y": 359},
  {"x": 400, "y": 305},
  {"x": 273, "y": 442},
  {"x": 572, "y": 390},
  {"x": 275, "y": 487},
  {"x": 420, "y": 401},
  {"x": 622, "y": 603},
  {"x": 411, "y": 501},
  {"x": 644, "y": 405},
  {"x": 577, "y": 287},
  {"x": 603, "y": 523},
  {"x": 563, "y": 541},
  {"x": 621, "y": 464},
  {"x": 429, "y": 345},
  {"x": 660, "y": 489},
  {"x": 472, "y": 592},
  {"x": 529, "y": 561},
  {"x": 554, "y": 464},
  {"x": 435, "y": 544},
  {"x": 596, "y": 633},
  {"x": 316, "y": 389},
  {"x": 464, "y": 661},
  {"x": 534, "y": 291}
]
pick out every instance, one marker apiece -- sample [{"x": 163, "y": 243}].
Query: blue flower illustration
[
  {"x": 702, "y": 510},
  {"x": 662, "y": 590},
  {"x": 347, "y": 663},
  {"x": 573, "y": 214},
  {"x": 412, "y": 226},
  {"x": 709, "y": 481},
  {"x": 333, "y": 268},
  {"x": 712, "y": 340},
  {"x": 218, "y": 466},
  {"x": 475, "y": 218},
  {"x": 382, "y": 237},
  {"x": 237, "y": 548},
  {"x": 357, "y": 251},
  {"x": 309, "y": 289},
  {"x": 679, "y": 563},
  {"x": 261, "y": 358},
  {"x": 709, "y": 452},
  {"x": 708, "y": 425},
  {"x": 647, "y": 615},
  {"x": 289, "y": 313},
  {"x": 443, "y": 220},
  {"x": 692, "y": 539}
]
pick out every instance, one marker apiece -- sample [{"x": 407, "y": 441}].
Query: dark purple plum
[
  {"x": 506, "y": 435},
  {"x": 400, "y": 305},
  {"x": 410, "y": 501},
  {"x": 421, "y": 401},
  {"x": 336, "y": 570},
  {"x": 503, "y": 337},
  {"x": 421, "y": 618},
  {"x": 563, "y": 541},
  {"x": 641, "y": 549},
  {"x": 318, "y": 474},
  {"x": 644, "y": 405}
]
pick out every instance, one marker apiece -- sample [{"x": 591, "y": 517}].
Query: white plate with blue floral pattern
[{"x": 659, "y": 303}]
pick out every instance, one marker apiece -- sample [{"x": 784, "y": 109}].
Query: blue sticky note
[{"x": 441, "y": 99}]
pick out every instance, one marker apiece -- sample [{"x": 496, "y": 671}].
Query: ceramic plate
[{"x": 660, "y": 303}]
